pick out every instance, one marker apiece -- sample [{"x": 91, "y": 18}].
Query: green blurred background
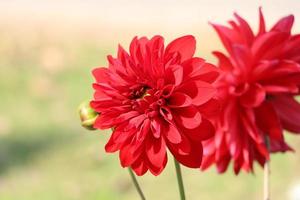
[{"x": 47, "y": 50}]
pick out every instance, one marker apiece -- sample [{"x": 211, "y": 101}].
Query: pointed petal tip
[
  {"x": 236, "y": 15},
  {"x": 214, "y": 25}
]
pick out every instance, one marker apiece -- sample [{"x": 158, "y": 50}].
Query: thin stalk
[
  {"x": 136, "y": 184},
  {"x": 267, "y": 173},
  {"x": 179, "y": 180}
]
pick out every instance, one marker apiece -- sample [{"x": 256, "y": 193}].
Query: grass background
[{"x": 46, "y": 54}]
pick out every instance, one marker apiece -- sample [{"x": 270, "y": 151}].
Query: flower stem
[
  {"x": 179, "y": 180},
  {"x": 136, "y": 184},
  {"x": 267, "y": 173}
]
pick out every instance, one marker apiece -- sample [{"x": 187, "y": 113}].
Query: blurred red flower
[
  {"x": 156, "y": 98},
  {"x": 261, "y": 76}
]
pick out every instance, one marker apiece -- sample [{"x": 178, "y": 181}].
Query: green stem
[
  {"x": 179, "y": 180},
  {"x": 267, "y": 172},
  {"x": 136, "y": 184}
]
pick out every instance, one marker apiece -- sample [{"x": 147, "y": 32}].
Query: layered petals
[
  {"x": 258, "y": 88},
  {"x": 288, "y": 110},
  {"x": 153, "y": 99}
]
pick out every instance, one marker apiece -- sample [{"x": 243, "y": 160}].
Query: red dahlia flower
[
  {"x": 261, "y": 76},
  {"x": 156, "y": 98}
]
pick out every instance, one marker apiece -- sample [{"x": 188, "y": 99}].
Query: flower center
[{"x": 139, "y": 92}]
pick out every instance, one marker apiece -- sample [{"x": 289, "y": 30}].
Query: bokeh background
[{"x": 47, "y": 51}]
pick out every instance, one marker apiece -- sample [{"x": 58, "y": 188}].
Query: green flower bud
[{"x": 87, "y": 115}]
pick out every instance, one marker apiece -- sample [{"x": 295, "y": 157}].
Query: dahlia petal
[
  {"x": 296, "y": 57},
  {"x": 172, "y": 134},
  {"x": 226, "y": 35},
  {"x": 138, "y": 49},
  {"x": 182, "y": 148},
  {"x": 188, "y": 117},
  {"x": 112, "y": 146},
  {"x": 209, "y": 147},
  {"x": 259, "y": 158},
  {"x": 270, "y": 71},
  {"x": 174, "y": 75},
  {"x": 237, "y": 165},
  {"x": 193, "y": 159},
  {"x": 262, "y": 25},
  {"x": 275, "y": 89},
  {"x": 234, "y": 25},
  {"x": 108, "y": 90},
  {"x": 282, "y": 69},
  {"x": 235, "y": 148},
  {"x": 285, "y": 24},
  {"x": 269, "y": 43},
  {"x": 197, "y": 68},
  {"x": 207, "y": 73},
  {"x": 166, "y": 113},
  {"x": 203, "y": 132},
  {"x": 156, "y": 151},
  {"x": 122, "y": 133},
  {"x": 144, "y": 130},
  {"x": 245, "y": 29},
  {"x": 279, "y": 146},
  {"x": 222, "y": 150},
  {"x": 155, "y": 49},
  {"x": 248, "y": 121},
  {"x": 157, "y": 46},
  {"x": 242, "y": 56},
  {"x": 167, "y": 90},
  {"x": 262, "y": 149},
  {"x": 292, "y": 48},
  {"x": 185, "y": 46},
  {"x": 105, "y": 120},
  {"x": 129, "y": 153},
  {"x": 179, "y": 99},
  {"x": 103, "y": 104},
  {"x": 120, "y": 71},
  {"x": 224, "y": 62},
  {"x": 192, "y": 65},
  {"x": 156, "y": 127},
  {"x": 133, "y": 46},
  {"x": 210, "y": 109},
  {"x": 248, "y": 163},
  {"x": 117, "y": 139},
  {"x": 254, "y": 96},
  {"x": 229, "y": 124},
  {"x": 126, "y": 116},
  {"x": 288, "y": 110},
  {"x": 207, "y": 162},
  {"x": 139, "y": 167},
  {"x": 222, "y": 164},
  {"x": 100, "y": 95},
  {"x": 138, "y": 120},
  {"x": 219, "y": 156},
  {"x": 157, "y": 170},
  {"x": 199, "y": 91},
  {"x": 219, "y": 139},
  {"x": 100, "y": 74},
  {"x": 123, "y": 56},
  {"x": 263, "y": 69}
]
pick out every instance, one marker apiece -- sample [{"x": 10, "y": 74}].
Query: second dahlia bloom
[
  {"x": 261, "y": 77},
  {"x": 156, "y": 98}
]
